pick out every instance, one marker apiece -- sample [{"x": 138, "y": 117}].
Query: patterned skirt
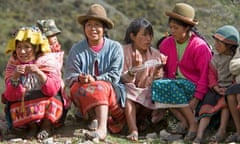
[
  {"x": 172, "y": 92},
  {"x": 211, "y": 104},
  {"x": 87, "y": 96},
  {"x": 36, "y": 106}
]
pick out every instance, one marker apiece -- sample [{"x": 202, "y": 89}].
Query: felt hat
[
  {"x": 33, "y": 34},
  {"x": 96, "y": 11},
  {"x": 227, "y": 34},
  {"x": 48, "y": 27},
  {"x": 183, "y": 12}
]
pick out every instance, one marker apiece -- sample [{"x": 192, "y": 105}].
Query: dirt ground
[{"x": 71, "y": 133}]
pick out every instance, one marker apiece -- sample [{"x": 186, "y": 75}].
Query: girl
[{"x": 220, "y": 79}]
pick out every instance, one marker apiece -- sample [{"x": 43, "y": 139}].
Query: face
[
  {"x": 142, "y": 41},
  {"x": 25, "y": 51},
  {"x": 52, "y": 40},
  {"x": 221, "y": 47},
  {"x": 94, "y": 31},
  {"x": 179, "y": 32}
]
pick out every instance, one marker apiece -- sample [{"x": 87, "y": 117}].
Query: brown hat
[
  {"x": 183, "y": 12},
  {"x": 96, "y": 11}
]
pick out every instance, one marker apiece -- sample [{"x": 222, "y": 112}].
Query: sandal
[
  {"x": 133, "y": 136},
  {"x": 93, "y": 136},
  {"x": 217, "y": 138},
  {"x": 197, "y": 141},
  {"x": 233, "y": 138},
  {"x": 93, "y": 125},
  {"x": 43, "y": 134},
  {"x": 190, "y": 136},
  {"x": 179, "y": 129}
]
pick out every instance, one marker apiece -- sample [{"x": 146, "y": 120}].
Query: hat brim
[
  {"x": 182, "y": 18},
  {"x": 108, "y": 22},
  {"x": 223, "y": 39}
]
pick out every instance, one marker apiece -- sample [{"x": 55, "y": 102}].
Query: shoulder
[{"x": 112, "y": 42}]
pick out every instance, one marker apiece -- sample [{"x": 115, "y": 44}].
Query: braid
[{"x": 196, "y": 31}]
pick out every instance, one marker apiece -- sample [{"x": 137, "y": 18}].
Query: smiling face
[
  {"x": 94, "y": 31},
  {"x": 25, "y": 51}
]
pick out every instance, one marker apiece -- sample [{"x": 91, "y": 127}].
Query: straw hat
[
  {"x": 183, "y": 12},
  {"x": 96, "y": 11}
]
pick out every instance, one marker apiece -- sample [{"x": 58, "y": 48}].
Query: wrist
[{"x": 132, "y": 74}]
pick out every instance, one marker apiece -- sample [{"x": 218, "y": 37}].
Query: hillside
[{"x": 14, "y": 14}]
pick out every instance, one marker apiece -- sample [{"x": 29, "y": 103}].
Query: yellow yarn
[{"x": 33, "y": 34}]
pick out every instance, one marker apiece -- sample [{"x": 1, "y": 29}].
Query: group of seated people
[{"x": 113, "y": 84}]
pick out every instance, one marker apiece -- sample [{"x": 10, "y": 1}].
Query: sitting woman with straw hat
[
  {"x": 33, "y": 82},
  {"x": 93, "y": 71},
  {"x": 186, "y": 69}
]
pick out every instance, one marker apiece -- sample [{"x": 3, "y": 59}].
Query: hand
[
  {"x": 31, "y": 68},
  {"x": 85, "y": 78},
  {"x": 219, "y": 90},
  {"x": 193, "y": 103},
  {"x": 20, "y": 69}
]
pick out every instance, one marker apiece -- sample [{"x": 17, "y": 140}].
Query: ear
[{"x": 132, "y": 37}]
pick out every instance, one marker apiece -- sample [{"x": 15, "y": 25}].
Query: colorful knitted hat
[
  {"x": 227, "y": 34},
  {"x": 48, "y": 27},
  {"x": 33, "y": 34}
]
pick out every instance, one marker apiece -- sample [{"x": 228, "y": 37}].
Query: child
[
  {"x": 220, "y": 79},
  {"x": 233, "y": 93},
  {"x": 51, "y": 31}
]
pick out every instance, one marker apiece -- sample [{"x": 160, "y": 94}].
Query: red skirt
[
  {"x": 36, "y": 108},
  {"x": 87, "y": 96}
]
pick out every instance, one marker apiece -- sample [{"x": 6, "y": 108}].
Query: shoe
[
  {"x": 217, "y": 138},
  {"x": 190, "y": 136},
  {"x": 233, "y": 138},
  {"x": 164, "y": 135}
]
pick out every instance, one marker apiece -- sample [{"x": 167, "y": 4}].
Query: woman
[
  {"x": 33, "y": 84},
  {"x": 93, "y": 71},
  {"x": 138, "y": 50},
  {"x": 186, "y": 69}
]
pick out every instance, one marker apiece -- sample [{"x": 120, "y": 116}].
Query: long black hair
[{"x": 135, "y": 27}]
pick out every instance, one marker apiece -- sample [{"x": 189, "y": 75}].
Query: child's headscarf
[{"x": 29, "y": 33}]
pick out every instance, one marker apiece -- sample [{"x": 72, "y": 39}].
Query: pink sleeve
[
  {"x": 13, "y": 93},
  {"x": 52, "y": 85},
  {"x": 212, "y": 76}
]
